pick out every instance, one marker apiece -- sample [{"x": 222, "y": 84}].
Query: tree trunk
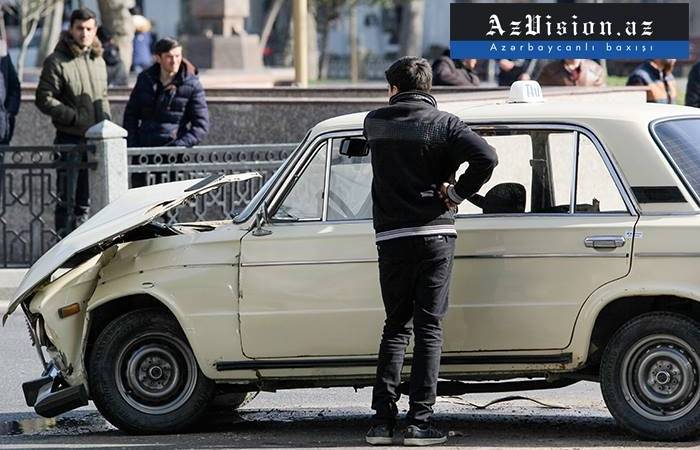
[
  {"x": 116, "y": 16},
  {"x": 411, "y": 28},
  {"x": 312, "y": 44},
  {"x": 354, "y": 57},
  {"x": 30, "y": 27},
  {"x": 269, "y": 23},
  {"x": 53, "y": 22},
  {"x": 324, "y": 56}
]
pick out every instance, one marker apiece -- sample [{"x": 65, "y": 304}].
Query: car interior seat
[{"x": 502, "y": 198}]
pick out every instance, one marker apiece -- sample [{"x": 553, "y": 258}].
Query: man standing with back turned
[
  {"x": 73, "y": 91},
  {"x": 416, "y": 150}
]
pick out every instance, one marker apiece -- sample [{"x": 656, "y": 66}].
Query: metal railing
[
  {"x": 29, "y": 196},
  {"x": 29, "y": 191},
  {"x": 149, "y": 166}
]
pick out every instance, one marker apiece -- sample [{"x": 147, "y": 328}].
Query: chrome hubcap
[
  {"x": 156, "y": 373},
  {"x": 659, "y": 377}
]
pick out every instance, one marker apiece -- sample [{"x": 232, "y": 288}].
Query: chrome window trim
[
  {"x": 287, "y": 189},
  {"x": 326, "y": 179},
  {"x": 608, "y": 159},
  {"x": 287, "y": 178},
  {"x": 667, "y": 155},
  {"x": 574, "y": 181}
]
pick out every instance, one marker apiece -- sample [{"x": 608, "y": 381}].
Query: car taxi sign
[{"x": 527, "y": 91}]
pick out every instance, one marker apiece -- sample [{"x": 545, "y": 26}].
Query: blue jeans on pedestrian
[{"x": 414, "y": 274}]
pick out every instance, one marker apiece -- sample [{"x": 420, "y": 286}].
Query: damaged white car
[{"x": 577, "y": 261}]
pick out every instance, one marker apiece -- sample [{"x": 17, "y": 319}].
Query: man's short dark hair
[
  {"x": 81, "y": 15},
  {"x": 410, "y": 74},
  {"x": 165, "y": 45}
]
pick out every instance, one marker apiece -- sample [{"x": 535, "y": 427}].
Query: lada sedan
[{"x": 576, "y": 261}]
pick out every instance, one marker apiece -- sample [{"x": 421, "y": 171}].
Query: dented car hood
[{"x": 134, "y": 209}]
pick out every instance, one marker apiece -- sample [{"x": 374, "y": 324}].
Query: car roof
[{"x": 553, "y": 111}]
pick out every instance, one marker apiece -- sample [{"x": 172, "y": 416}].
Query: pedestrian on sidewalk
[
  {"x": 657, "y": 76},
  {"x": 72, "y": 90},
  {"x": 116, "y": 71},
  {"x": 10, "y": 95},
  {"x": 167, "y": 106},
  {"x": 415, "y": 151}
]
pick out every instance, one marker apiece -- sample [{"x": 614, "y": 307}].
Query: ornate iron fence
[
  {"x": 163, "y": 164},
  {"x": 28, "y": 189},
  {"x": 28, "y": 198}
]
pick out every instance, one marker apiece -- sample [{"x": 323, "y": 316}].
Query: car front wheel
[
  {"x": 650, "y": 373},
  {"x": 143, "y": 375}
]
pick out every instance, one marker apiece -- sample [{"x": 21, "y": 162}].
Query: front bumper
[{"x": 50, "y": 395}]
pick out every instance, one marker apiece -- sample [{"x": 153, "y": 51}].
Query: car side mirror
[
  {"x": 354, "y": 147},
  {"x": 260, "y": 220}
]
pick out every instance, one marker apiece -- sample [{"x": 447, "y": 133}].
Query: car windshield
[{"x": 681, "y": 140}]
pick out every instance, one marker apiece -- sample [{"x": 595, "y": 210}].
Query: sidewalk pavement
[{"x": 9, "y": 280}]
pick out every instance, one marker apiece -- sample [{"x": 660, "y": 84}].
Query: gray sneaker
[
  {"x": 417, "y": 436},
  {"x": 380, "y": 435}
]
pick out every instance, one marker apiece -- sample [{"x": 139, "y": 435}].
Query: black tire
[
  {"x": 143, "y": 376},
  {"x": 649, "y": 376},
  {"x": 232, "y": 400}
]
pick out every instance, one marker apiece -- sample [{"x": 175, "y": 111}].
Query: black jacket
[
  {"x": 175, "y": 114},
  {"x": 415, "y": 148},
  {"x": 116, "y": 72},
  {"x": 9, "y": 98},
  {"x": 692, "y": 91},
  {"x": 446, "y": 73}
]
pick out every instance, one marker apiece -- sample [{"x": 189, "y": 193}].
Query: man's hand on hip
[{"x": 448, "y": 196}]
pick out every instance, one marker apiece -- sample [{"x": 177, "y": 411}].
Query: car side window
[
  {"x": 349, "y": 186},
  {"x": 595, "y": 189},
  {"x": 534, "y": 173},
  {"x": 305, "y": 199}
]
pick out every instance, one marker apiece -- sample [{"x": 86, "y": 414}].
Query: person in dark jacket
[
  {"x": 657, "y": 76},
  {"x": 167, "y": 106},
  {"x": 116, "y": 71},
  {"x": 415, "y": 151},
  {"x": 449, "y": 72},
  {"x": 10, "y": 95},
  {"x": 692, "y": 91}
]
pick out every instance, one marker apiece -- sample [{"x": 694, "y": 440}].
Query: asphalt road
[{"x": 315, "y": 418}]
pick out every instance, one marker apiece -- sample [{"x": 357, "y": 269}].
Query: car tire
[
  {"x": 231, "y": 401},
  {"x": 143, "y": 376},
  {"x": 649, "y": 376}
]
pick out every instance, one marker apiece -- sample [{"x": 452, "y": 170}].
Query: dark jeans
[
  {"x": 72, "y": 188},
  {"x": 414, "y": 274}
]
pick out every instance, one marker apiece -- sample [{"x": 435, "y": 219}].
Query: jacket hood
[
  {"x": 68, "y": 46},
  {"x": 412, "y": 96},
  {"x": 134, "y": 209}
]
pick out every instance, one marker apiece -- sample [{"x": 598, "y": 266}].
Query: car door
[
  {"x": 552, "y": 225},
  {"x": 310, "y": 287}
]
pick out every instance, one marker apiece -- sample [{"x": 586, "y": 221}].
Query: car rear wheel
[
  {"x": 143, "y": 375},
  {"x": 650, "y": 376}
]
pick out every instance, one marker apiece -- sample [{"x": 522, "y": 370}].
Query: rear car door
[{"x": 553, "y": 225}]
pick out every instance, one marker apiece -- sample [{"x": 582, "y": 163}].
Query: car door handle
[{"x": 604, "y": 241}]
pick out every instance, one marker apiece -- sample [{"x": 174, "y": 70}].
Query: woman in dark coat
[{"x": 167, "y": 106}]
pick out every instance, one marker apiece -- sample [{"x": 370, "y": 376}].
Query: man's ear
[{"x": 393, "y": 90}]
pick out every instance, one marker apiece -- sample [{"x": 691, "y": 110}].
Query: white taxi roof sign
[{"x": 525, "y": 91}]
